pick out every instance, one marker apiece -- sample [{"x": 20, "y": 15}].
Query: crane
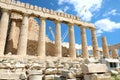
[
  {"x": 50, "y": 29},
  {"x": 63, "y": 37},
  {"x": 83, "y": 9}
]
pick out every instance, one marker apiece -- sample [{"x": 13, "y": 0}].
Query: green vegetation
[{"x": 115, "y": 77}]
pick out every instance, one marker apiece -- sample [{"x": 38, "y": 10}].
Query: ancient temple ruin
[
  {"x": 21, "y": 35},
  {"x": 25, "y": 48}
]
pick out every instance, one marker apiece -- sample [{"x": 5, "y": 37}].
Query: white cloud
[
  {"x": 106, "y": 25},
  {"x": 60, "y": 10},
  {"x": 112, "y": 12},
  {"x": 63, "y": 9},
  {"x": 60, "y": 2},
  {"x": 66, "y": 8},
  {"x": 84, "y": 8}
]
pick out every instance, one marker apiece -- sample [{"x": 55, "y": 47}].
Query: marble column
[
  {"x": 12, "y": 35},
  {"x": 105, "y": 48},
  {"x": 22, "y": 43},
  {"x": 72, "y": 50},
  {"x": 58, "y": 48},
  {"x": 12, "y": 30},
  {"x": 41, "y": 40},
  {"x": 114, "y": 53},
  {"x": 85, "y": 53},
  {"x": 94, "y": 44},
  {"x": 4, "y": 22}
]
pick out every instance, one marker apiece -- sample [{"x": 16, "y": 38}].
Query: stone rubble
[{"x": 51, "y": 70}]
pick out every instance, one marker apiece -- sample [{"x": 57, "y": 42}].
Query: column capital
[
  {"x": 70, "y": 24},
  {"x": 25, "y": 14},
  {"x": 92, "y": 29},
  {"x": 57, "y": 21},
  {"x": 81, "y": 27},
  {"x": 4, "y": 10},
  {"x": 43, "y": 18}
]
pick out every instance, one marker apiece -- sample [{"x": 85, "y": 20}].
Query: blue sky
[{"x": 105, "y": 14}]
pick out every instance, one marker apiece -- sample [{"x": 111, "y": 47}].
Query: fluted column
[
  {"x": 3, "y": 30},
  {"x": 12, "y": 30},
  {"x": 58, "y": 48},
  {"x": 85, "y": 53},
  {"x": 10, "y": 44},
  {"x": 94, "y": 44},
  {"x": 41, "y": 40},
  {"x": 72, "y": 50},
  {"x": 22, "y": 43},
  {"x": 105, "y": 48},
  {"x": 114, "y": 53}
]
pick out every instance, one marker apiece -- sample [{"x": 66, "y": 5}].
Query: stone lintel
[
  {"x": 16, "y": 16},
  {"x": 43, "y": 12}
]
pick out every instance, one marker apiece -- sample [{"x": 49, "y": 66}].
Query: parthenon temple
[
  {"x": 21, "y": 35},
  {"x": 27, "y": 53}
]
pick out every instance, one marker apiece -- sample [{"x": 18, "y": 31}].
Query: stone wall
[{"x": 33, "y": 32}]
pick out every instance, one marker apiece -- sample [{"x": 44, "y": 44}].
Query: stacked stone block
[{"x": 35, "y": 69}]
